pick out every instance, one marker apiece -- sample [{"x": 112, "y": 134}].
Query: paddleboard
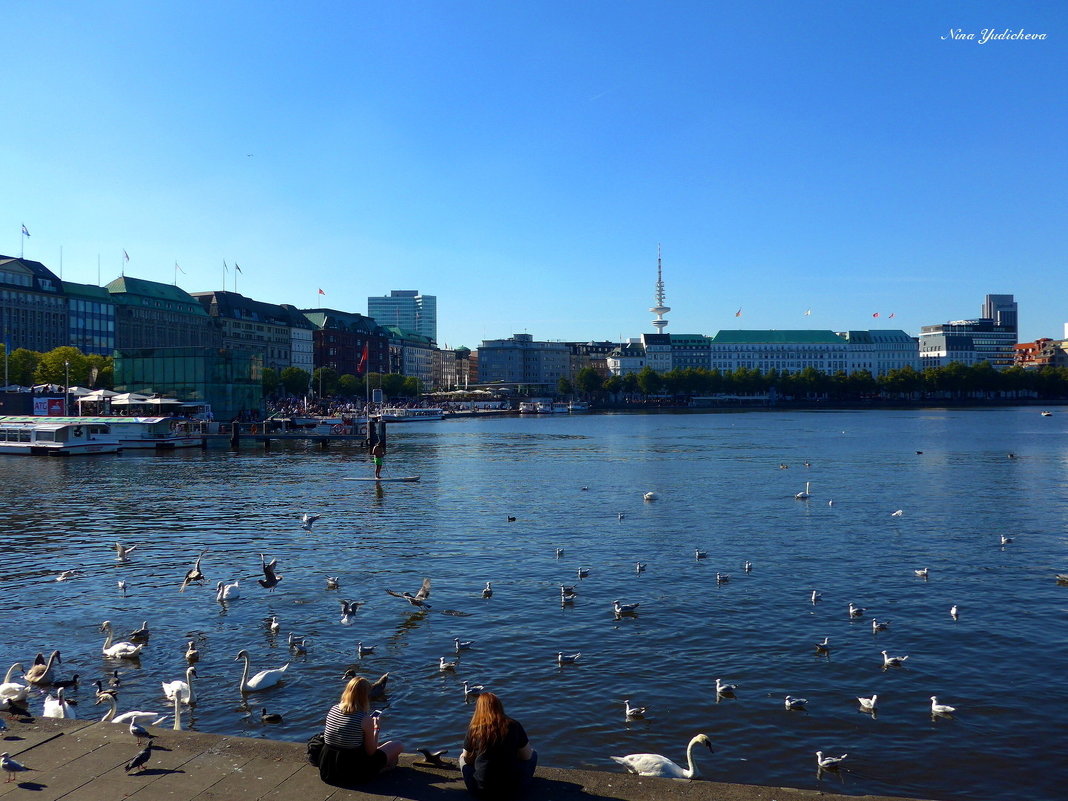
[{"x": 372, "y": 478}]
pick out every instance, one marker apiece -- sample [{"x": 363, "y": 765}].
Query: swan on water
[
  {"x": 12, "y": 689},
  {"x": 940, "y": 709},
  {"x": 804, "y": 495},
  {"x": 262, "y": 680},
  {"x": 42, "y": 674},
  {"x": 177, "y": 712},
  {"x": 182, "y": 689},
  {"x": 868, "y": 704},
  {"x": 656, "y": 765},
  {"x": 228, "y": 592},
  {"x": 125, "y": 717},
  {"x": 118, "y": 650},
  {"x": 57, "y": 707},
  {"x": 829, "y": 762}
]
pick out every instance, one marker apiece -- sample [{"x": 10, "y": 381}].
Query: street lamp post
[{"x": 66, "y": 389}]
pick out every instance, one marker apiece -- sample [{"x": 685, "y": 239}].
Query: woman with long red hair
[
  {"x": 497, "y": 761},
  {"x": 351, "y": 752}
]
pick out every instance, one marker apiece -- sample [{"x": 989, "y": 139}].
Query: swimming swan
[
  {"x": 183, "y": 690},
  {"x": 262, "y": 680},
  {"x": 656, "y": 765},
  {"x": 121, "y": 649}
]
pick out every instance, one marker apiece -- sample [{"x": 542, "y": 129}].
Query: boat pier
[{"x": 80, "y": 760}]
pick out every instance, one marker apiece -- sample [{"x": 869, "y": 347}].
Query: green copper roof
[
  {"x": 137, "y": 291},
  {"x": 773, "y": 337}
]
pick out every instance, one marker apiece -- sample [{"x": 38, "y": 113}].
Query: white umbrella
[
  {"x": 162, "y": 402},
  {"x": 79, "y": 391},
  {"x": 100, "y": 394}
]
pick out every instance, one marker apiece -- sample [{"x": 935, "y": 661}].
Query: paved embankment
[{"x": 73, "y": 759}]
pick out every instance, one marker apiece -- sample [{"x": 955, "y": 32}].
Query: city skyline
[{"x": 845, "y": 160}]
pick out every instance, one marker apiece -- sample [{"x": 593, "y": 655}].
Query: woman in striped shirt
[{"x": 352, "y": 753}]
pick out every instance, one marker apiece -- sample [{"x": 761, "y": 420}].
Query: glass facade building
[
  {"x": 91, "y": 318},
  {"x": 230, "y": 381}
]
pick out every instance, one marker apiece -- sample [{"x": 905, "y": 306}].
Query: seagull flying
[{"x": 419, "y": 599}]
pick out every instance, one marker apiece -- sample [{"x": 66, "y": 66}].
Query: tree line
[{"x": 953, "y": 381}]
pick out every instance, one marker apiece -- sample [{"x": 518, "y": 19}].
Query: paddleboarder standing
[{"x": 378, "y": 453}]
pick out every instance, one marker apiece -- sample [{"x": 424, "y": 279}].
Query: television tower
[{"x": 659, "y": 309}]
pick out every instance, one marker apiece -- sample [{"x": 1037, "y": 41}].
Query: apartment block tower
[{"x": 407, "y": 309}]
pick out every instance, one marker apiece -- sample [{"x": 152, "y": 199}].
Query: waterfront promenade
[{"x": 84, "y": 760}]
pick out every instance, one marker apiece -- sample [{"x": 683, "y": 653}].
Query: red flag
[
  {"x": 363, "y": 360},
  {"x": 876, "y": 314},
  {"x": 321, "y": 292}
]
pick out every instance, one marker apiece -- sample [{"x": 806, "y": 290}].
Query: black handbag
[{"x": 315, "y": 748}]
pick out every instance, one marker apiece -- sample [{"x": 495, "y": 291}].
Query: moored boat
[
  {"x": 45, "y": 436},
  {"x": 403, "y": 414},
  {"x": 578, "y": 407},
  {"x": 133, "y": 433}
]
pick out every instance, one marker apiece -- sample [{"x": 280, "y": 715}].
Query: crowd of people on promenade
[{"x": 497, "y": 761}]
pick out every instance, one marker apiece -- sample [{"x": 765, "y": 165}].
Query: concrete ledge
[{"x": 73, "y": 759}]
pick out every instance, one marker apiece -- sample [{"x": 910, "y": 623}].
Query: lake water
[{"x": 721, "y": 489}]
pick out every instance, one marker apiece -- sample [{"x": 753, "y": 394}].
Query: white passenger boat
[
  {"x": 133, "y": 433},
  {"x": 560, "y": 408},
  {"x": 49, "y": 436},
  {"x": 528, "y": 407},
  {"x": 578, "y": 406},
  {"x": 400, "y": 414}
]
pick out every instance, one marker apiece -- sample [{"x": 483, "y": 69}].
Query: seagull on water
[
  {"x": 953, "y": 611},
  {"x": 624, "y": 609},
  {"x": 487, "y": 591},
  {"x": 699, "y": 554},
  {"x": 829, "y": 762},
  {"x": 462, "y": 645},
  {"x": 140, "y": 635},
  {"x": 273, "y": 625},
  {"x": 66, "y": 574},
  {"x": 419, "y": 599},
  {"x": 639, "y": 567},
  {"x": 795, "y": 703},
  {"x": 583, "y": 572},
  {"x": 922, "y": 573},
  {"x": 472, "y": 690},
  {"x": 363, "y": 650},
  {"x": 856, "y": 611},
  {"x": 893, "y": 661},
  {"x": 333, "y": 582},
  {"x": 940, "y": 709},
  {"x": 879, "y": 626},
  {"x": 270, "y": 577},
  {"x": 567, "y": 594},
  {"x": 349, "y": 610},
  {"x": 123, "y": 554},
  {"x": 193, "y": 574},
  {"x": 567, "y": 659},
  {"x": 444, "y": 665},
  {"x": 559, "y": 552},
  {"x": 633, "y": 711},
  {"x": 722, "y": 578},
  {"x": 299, "y": 646},
  {"x": 868, "y": 704},
  {"x": 650, "y": 496},
  {"x": 308, "y": 520},
  {"x": 748, "y": 566},
  {"x": 122, "y": 586},
  {"x": 898, "y": 513},
  {"x": 824, "y": 647},
  {"x": 1004, "y": 541},
  {"x": 722, "y": 688},
  {"x": 816, "y": 596}
]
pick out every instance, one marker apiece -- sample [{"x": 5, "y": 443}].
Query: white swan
[
  {"x": 228, "y": 592},
  {"x": 656, "y": 765},
  {"x": 177, "y": 712},
  {"x": 183, "y": 690},
  {"x": 940, "y": 709},
  {"x": 12, "y": 689},
  {"x": 56, "y": 707},
  {"x": 804, "y": 495},
  {"x": 118, "y": 650},
  {"x": 125, "y": 717},
  {"x": 262, "y": 680},
  {"x": 42, "y": 674}
]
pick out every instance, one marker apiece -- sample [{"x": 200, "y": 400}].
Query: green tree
[
  {"x": 588, "y": 381},
  {"x": 270, "y": 381},
  {"x": 101, "y": 371},
  {"x": 612, "y": 385},
  {"x": 349, "y": 386},
  {"x": 295, "y": 380},
  {"x": 56, "y": 365},
  {"x": 22, "y": 366},
  {"x": 564, "y": 388},
  {"x": 393, "y": 385},
  {"x": 412, "y": 387},
  {"x": 324, "y": 381},
  {"x": 649, "y": 381},
  {"x": 630, "y": 383}
]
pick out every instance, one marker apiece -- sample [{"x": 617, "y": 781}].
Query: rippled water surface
[{"x": 720, "y": 487}]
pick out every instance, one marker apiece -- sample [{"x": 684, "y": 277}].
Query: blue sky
[{"x": 522, "y": 160}]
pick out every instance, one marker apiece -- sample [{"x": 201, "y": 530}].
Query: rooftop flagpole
[
  {"x": 22, "y": 240},
  {"x": 226, "y": 271}
]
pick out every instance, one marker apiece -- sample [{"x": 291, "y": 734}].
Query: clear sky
[{"x": 522, "y": 160}]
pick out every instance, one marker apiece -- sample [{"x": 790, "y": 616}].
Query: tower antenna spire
[{"x": 659, "y": 309}]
